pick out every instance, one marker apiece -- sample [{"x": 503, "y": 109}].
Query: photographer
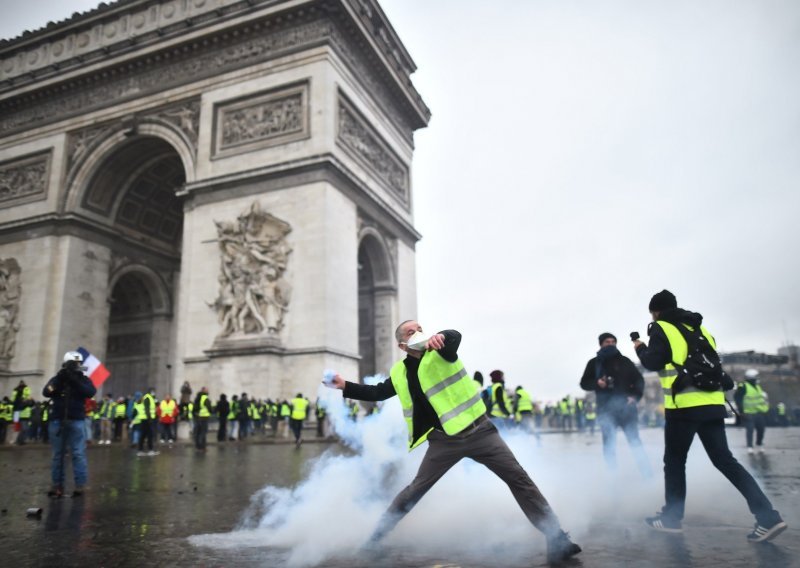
[
  {"x": 618, "y": 386},
  {"x": 691, "y": 410},
  {"x": 69, "y": 389}
]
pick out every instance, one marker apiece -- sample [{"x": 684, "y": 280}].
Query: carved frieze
[
  {"x": 356, "y": 135},
  {"x": 253, "y": 295},
  {"x": 118, "y": 28},
  {"x": 10, "y": 292},
  {"x": 266, "y": 119},
  {"x": 159, "y": 72},
  {"x": 24, "y": 179}
]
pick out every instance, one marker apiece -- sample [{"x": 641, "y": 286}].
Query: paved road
[{"x": 187, "y": 509}]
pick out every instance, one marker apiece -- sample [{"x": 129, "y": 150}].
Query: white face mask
[{"x": 417, "y": 341}]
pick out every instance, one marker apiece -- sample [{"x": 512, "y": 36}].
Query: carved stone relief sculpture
[
  {"x": 24, "y": 179},
  {"x": 253, "y": 295},
  {"x": 10, "y": 290}
]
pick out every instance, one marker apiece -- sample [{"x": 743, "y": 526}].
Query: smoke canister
[
  {"x": 328, "y": 376},
  {"x": 34, "y": 512}
]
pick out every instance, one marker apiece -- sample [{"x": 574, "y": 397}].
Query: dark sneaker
[
  {"x": 560, "y": 548},
  {"x": 664, "y": 524},
  {"x": 56, "y": 491},
  {"x": 79, "y": 491},
  {"x": 763, "y": 534}
]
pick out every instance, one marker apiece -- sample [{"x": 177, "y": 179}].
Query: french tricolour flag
[{"x": 96, "y": 371}]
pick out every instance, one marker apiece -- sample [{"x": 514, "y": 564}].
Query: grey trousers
[{"x": 483, "y": 444}]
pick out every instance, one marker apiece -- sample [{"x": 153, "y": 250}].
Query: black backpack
[{"x": 702, "y": 368}]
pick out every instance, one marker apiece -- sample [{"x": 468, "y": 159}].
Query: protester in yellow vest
[
  {"x": 299, "y": 413},
  {"x": 203, "y": 411},
  {"x": 753, "y": 406},
  {"x": 442, "y": 405},
  {"x": 690, "y": 410},
  {"x": 168, "y": 418}
]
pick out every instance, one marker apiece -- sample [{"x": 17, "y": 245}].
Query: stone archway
[
  {"x": 377, "y": 296},
  {"x": 133, "y": 189},
  {"x": 139, "y": 320}
]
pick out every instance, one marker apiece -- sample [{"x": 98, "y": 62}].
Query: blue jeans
[
  {"x": 71, "y": 438},
  {"x": 617, "y": 412}
]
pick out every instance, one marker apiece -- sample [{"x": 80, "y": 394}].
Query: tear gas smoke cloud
[{"x": 469, "y": 514}]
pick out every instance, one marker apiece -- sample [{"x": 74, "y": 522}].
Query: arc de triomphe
[{"x": 215, "y": 191}]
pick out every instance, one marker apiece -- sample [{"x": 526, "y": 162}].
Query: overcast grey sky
[{"x": 584, "y": 155}]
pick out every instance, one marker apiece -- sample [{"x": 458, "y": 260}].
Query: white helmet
[
  {"x": 73, "y": 356},
  {"x": 751, "y": 373}
]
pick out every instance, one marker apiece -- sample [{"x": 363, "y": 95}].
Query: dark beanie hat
[
  {"x": 664, "y": 300},
  {"x": 478, "y": 376},
  {"x": 497, "y": 376},
  {"x": 604, "y": 336}
]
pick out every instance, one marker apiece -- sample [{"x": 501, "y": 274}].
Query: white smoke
[{"x": 470, "y": 513}]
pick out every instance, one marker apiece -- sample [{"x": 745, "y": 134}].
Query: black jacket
[
  {"x": 658, "y": 354},
  {"x": 425, "y": 416},
  {"x": 69, "y": 389},
  {"x": 623, "y": 377}
]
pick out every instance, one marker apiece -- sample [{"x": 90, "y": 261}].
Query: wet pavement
[{"x": 142, "y": 511}]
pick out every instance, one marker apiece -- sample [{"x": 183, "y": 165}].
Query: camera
[{"x": 634, "y": 335}]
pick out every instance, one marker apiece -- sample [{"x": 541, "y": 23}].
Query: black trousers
[
  {"x": 200, "y": 431},
  {"x": 678, "y": 436},
  {"x": 222, "y": 431},
  {"x": 296, "y": 427},
  {"x": 147, "y": 427}
]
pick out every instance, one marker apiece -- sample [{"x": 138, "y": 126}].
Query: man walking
[
  {"x": 442, "y": 405},
  {"x": 618, "y": 386},
  {"x": 68, "y": 389},
  {"x": 298, "y": 415},
  {"x": 202, "y": 411},
  {"x": 753, "y": 405},
  {"x": 691, "y": 410}
]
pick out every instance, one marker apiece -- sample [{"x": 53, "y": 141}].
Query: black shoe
[
  {"x": 763, "y": 534},
  {"x": 664, "y": 524},
  {"x": 560, "y": 548},
  {"x": 56, "y": 492},
  {"x": 79, "y": 491}
]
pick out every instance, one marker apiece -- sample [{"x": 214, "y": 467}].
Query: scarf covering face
[{"x": 605, "y": 353}]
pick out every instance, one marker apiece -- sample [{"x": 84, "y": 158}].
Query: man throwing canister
[{"x": 442, "y": 405}]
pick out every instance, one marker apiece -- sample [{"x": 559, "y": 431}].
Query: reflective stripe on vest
[
  {"x": 299, "y": 409},
  {"x": 202, "y": 411},
  {"x": 755, "y": 401},
  {"x": 451, "y": 392},
  {"x": 690, "y": 396}
]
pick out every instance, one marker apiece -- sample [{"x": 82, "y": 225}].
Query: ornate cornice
[{"x": 115, "y": 41}]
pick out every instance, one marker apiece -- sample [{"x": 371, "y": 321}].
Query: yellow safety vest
[
  {"x": 152, "y": 414},
  {"x": 203, "y": 411},
  {"x": 451, "y": 392},
  {"x": 119, "y": 410},
  {"x": 755, "y": 401},
  {"x": 285, "y": 410},
  {"x": 139, "y": 408},
  {"x": 497, "y": 412},
  {"x": 299, "y": 409},
  {"x": 167, "y": 407},
  {"x": 524, "y": 401},
  {"x": 690, "y": 396}
]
